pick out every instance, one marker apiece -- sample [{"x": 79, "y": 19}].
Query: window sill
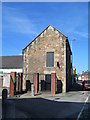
[{"x": 50, "y": 67}]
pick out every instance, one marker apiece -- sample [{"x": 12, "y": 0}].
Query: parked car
[{"x": 86, "y": 84}]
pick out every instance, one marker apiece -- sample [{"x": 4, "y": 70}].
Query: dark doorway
[
  {"x": 42, "y": 85},
  {"x": 59, "y": 86},
  {"x": 48, "y": 82},
  {"x": 28, "y": 85}
]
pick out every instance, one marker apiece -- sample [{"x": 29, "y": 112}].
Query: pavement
[{"x": 69, "y": 96}]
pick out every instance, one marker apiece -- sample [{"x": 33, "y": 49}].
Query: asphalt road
[
  {"x": 86, "y": 111},
  {"x": 60, "y": 106},
  {"x": 72, "y": 105}
]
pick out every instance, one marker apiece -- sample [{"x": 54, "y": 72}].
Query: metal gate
[{"x": 48, "y": 82}]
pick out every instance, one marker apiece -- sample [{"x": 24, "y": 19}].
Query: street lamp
[{"x": 72, "y": 41}]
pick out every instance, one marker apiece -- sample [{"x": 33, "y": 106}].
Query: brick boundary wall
[
  {"x": 36, "y": 82},
  {"x": 53, "y": 83},
  {"x": 20, "y": 82},
  {"x": 12, "y": 77},
  {"x": 17, "y": 83}
]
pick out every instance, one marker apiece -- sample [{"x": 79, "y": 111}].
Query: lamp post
[{"x": 72, "y": 59}]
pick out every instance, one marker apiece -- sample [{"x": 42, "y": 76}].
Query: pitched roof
[
  {"x": 11, "y": 62},
  {"x": 42, "y": 32}
]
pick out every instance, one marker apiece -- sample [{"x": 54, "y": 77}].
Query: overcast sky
[{"x": 22, "y": 22}]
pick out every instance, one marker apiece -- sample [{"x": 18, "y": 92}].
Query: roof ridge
[{"x": 41, "y": 33}]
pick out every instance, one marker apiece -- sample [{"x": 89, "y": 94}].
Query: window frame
[{"x": 47, "y": 59}]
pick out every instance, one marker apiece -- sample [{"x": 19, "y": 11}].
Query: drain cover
[{"x": 57, "y": 98}]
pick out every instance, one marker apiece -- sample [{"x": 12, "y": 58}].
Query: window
[{"x": 50, "y": 59}]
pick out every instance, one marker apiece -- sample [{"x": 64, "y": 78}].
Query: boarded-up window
[{"x": 50, "y": 59}]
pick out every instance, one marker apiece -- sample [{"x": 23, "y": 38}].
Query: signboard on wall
[
  {"x": 1, "y": 73},
  {"x": 6, "y": 80}
]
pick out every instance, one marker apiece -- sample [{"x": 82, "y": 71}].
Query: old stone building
[{"x": 48, "y": 53}]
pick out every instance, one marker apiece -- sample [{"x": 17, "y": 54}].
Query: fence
[
  {"x": 43, "y": 82},
  {"x": 29, "y": 78},
  {"x": 16, "y": 80}
]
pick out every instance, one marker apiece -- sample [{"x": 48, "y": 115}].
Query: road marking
[{"x": 82, "y": 108}]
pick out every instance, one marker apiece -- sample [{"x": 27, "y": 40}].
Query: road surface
[
  {"x": 46, "y": 106},
  {"x": 73, "y": 104}
]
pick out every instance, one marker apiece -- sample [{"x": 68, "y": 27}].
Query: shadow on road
[
  {"x": 42, "y": 108},
  {"x": 76, "y": 87}
]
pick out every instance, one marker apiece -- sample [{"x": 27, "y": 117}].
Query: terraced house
[{"x": 49, "y": 53}]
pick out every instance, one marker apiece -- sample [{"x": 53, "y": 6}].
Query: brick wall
[{"x": 12, "y": 84}]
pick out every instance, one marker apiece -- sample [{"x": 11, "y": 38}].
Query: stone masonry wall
[{"x": 34, "y": 56}]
